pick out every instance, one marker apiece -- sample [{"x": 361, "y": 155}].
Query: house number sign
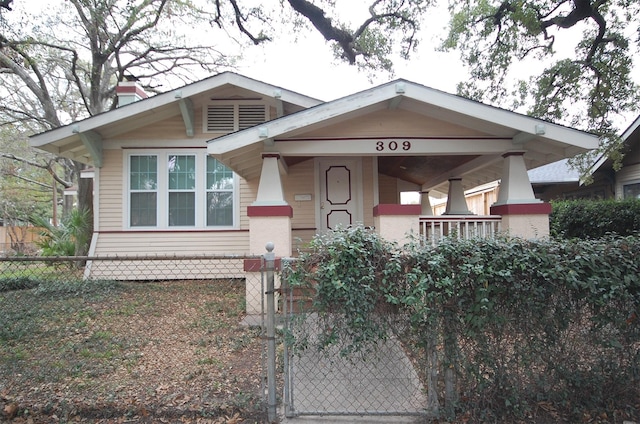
[{"x": 393, "y": 145}]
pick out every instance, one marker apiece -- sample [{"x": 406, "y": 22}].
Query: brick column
[
  {"x": 397, "y": 222},
  {"x": 522, "y": 214}
]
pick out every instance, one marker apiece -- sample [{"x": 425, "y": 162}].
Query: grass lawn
[{"x": 128, "y": 352}]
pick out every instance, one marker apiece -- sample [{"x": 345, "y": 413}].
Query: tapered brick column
[{"x": 522, "y": 214}]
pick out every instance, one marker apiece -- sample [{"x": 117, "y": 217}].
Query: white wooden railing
[{"x": 435, "y": 228}]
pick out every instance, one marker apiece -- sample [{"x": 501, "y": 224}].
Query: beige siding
[
  {"x": 173, "y": 242},
  {"x": 392, "y": 123},
  {"x": 248, "y": 193},
  {"x": 367, "y": 191},
  {"x": 110, "y": 192},
  {"x": 300, "y": 179},
  {"x": 387, "y": 189}
]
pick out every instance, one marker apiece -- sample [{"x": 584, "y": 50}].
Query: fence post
[{"x": 269, "y": 259}]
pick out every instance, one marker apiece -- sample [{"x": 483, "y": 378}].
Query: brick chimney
[{"x": 128, "y": 91}]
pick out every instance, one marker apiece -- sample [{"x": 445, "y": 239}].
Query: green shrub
[
  {"x": 18, "y": 283},
  {"x": 512, "y": 322},
  {"x": 70, "y": 238},
  {"x": 587, "y": 219}
]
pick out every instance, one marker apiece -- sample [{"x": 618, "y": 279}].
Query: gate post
[{"x": 269, "y": 260}]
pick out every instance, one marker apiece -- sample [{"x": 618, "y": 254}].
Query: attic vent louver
[
  {"x": 220, "y": 118},
  {"x": 233, "y": 117}
]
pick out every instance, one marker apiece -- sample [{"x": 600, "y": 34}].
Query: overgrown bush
[
  {"x": 518, "y": 328},
  {"x": 587, "y": 219},
  {"x": 344, "y": 269},
  {"x": 70, "y": 238}
]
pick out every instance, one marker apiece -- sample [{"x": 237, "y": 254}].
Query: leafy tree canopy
[{"x": 590, "y": 87}]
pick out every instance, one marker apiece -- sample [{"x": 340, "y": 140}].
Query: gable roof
[
  {"x": 629, "y": 137},
  {"x": 82, "y": 140},
  {"x": 544, "y": 141}
]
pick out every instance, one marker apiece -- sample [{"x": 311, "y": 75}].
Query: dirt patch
[{"x": 153, "y": 352}]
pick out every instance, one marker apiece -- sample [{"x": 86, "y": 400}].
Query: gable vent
[
  {"x": 220, "y": 118},
  {"x": 250, "y": 115},
  {"x": 233, "y": 117}
]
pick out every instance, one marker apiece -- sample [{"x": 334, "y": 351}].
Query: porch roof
[{"x": 475, "y": 156}]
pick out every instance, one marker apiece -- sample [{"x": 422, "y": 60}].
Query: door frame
[{"x": 321, "y": 163}]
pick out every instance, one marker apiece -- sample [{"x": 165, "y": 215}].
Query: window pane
[
  {"x": 220, "y": 208},
  {"x": 631, "y": 191},
  {"x": 143, "y": 209},
  {"x": 219, "y": 177},
  {"x": 182, "y": 209},
  {"x": 182, "y": 172},
  {"x": 143, "y": 173}
]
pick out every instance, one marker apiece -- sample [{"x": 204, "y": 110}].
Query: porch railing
[{"x": 434, "y": 228}]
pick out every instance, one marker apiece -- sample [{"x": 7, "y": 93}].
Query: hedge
[
  {"x": 588, "y": 219},
  {"x": 520, "y": 328}
]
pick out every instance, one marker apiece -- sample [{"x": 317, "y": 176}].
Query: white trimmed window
[
  {"x": 226, "y": 117},
  {"x": 180, "y": 190}
]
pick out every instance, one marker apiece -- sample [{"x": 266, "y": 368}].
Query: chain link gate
[{"x": 379, "y": 382}]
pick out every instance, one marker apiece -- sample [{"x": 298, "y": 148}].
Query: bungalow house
[{"x": 227, "y": 164}]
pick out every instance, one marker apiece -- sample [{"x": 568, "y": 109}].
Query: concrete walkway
[{"x": 382, "y": 386}]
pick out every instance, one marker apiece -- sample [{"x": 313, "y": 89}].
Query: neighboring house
[
  {"x": 559, "y": 181},
  {"x": 226, "y": 164}
]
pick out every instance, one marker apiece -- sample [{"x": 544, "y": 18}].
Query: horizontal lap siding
[
  {"x": 367, "y": 188},
  {"x": 110, "y": 192},
  {"x": 391, "y": 123},
  {"x": 168, "y": 242},
  {"x": 248, "y": 192},
  {"x": 300, "y": 180}
]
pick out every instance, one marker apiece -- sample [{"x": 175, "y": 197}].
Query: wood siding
[
  {"x": 111, "y": 195},
  {"x": 173, "y": 242},
  {"x": 392, "y": 123}
]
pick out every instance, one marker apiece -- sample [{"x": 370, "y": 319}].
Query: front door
[{"x": 340, "y": 192}]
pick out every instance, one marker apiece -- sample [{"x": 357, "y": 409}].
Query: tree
[
  {"x": 589, "y": 88},
  {"x": 63, "y": 65},
  {"x": 383, "y": 27}
]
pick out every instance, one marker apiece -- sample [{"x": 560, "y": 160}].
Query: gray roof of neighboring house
[{"x": 555, "y": 172}]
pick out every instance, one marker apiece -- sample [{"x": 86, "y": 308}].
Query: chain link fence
[
  {"x": 324, "y": 376},
  {"x": 77, "y": 275}
]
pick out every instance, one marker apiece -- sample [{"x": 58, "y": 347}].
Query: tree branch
[
  {"x": 323, "y": 24},
  {"x": 47, "y": 167},
  {"x": 6, "y": 4},
  {"x": 241, "y": 27}
]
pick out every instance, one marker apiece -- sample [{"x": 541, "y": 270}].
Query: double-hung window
[
  {"x": 181, "y": 171},
  {"x": 220, "y": 182},
  {"x": 180, "y": 190},
  {"x": 143, "y": 190}
]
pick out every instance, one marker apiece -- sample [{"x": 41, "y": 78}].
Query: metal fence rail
[
  {"x": 76, "y": 273},
  {"x": 381, "y": 380}
]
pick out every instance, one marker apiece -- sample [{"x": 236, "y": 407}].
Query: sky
[{"x": 307, "y": 65}]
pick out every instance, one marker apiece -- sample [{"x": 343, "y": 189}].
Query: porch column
[
  {"x": 269, "y": 221},
  {"x": 425, "y": 204},
  {"x": 456, "y": 202},
  {"x": 396, "y": 223},
  {"x": 522, "y": 214}
]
